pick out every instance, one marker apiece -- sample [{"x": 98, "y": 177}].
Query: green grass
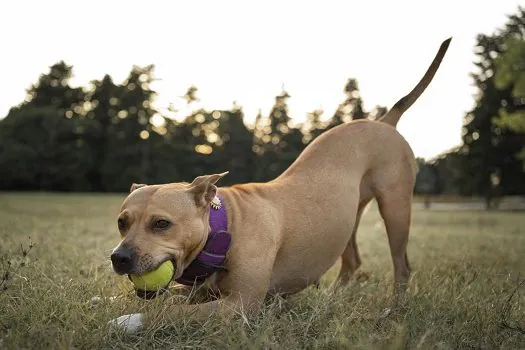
[{"x": 465, "y": 267}]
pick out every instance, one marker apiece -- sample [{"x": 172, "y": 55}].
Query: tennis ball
[{"x": 156, "y": 279}]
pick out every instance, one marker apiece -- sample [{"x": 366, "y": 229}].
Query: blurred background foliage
[{"x": 107, "y": 135}]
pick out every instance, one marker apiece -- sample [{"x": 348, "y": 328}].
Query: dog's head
[{"x": 163, "y": 222}]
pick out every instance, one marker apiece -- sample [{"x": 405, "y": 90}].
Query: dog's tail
[{"x": 395, "y": 113}]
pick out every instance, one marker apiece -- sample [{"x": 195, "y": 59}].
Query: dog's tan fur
[{"x": 288, "y": 232}]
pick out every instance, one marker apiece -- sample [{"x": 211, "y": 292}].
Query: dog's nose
[{"x": 122, "y": 260}]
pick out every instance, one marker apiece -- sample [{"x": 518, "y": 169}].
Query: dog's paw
[{"x": 131, "y": 323}]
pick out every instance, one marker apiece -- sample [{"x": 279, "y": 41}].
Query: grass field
[{"x": 465, "y": 267}]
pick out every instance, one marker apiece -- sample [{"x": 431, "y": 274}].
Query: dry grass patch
[{"x": 466, "y": 265}]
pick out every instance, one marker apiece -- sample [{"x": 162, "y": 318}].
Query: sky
[{"x": 248, "y": 50}]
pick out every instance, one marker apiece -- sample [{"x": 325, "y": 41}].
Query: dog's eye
[
  {"x": 161, "y": 224},
  {"x": 121, "y": 223}
]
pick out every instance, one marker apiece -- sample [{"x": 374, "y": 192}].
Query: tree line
[{"x": 104, "y": 136}]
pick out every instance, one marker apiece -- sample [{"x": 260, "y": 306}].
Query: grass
[{"x": 466, "y": 266}]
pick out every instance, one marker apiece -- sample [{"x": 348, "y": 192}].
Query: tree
[
  {"x": 41, "y": 140},
  {"x": 235, "y": 143},
  {"x": 490, "y": 166},
  {"x": 278, "y": 143},
  {"x": 131, "y": 112},
  {"x": 426, "y": 180},
  {"x": 448, "y": 171},
  {"x": 378, "y": 112},
  {"x": 510, "y": 73},
  {"x": 352, "y": 107},
  {"x": 191, "y": 95},
  {"x": 314, "y": 125},
  {"x": 53, "y": 89},
  {"x": 103, "y": 110}
]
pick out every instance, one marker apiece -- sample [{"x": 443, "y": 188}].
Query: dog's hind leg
[
  {"x": 350, "y": 260},
  {"x": 395, "y": 208}
]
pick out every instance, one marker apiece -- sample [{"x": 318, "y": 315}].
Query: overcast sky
[{"x": 246, "y": 50}]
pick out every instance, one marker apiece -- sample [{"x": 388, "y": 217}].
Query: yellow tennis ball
[{"x": 156, "y": 279}]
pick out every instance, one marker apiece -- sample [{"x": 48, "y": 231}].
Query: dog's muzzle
[{"x": 122, "y": 260}]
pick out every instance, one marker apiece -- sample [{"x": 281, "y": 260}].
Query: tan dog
[{"x": 288, "y": 232}]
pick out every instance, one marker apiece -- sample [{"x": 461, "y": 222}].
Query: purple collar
[{"x": 213, "y": 255}]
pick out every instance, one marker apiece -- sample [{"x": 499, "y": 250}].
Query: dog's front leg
[
  {"x": 243, "y": 300},
  {"x": 227, "y": 307},
  {"x": 246, "y": 285},
  {"x": 130, "y": 323}
]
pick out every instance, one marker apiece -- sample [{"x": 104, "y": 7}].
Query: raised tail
[{"x": 394, "y": 114}]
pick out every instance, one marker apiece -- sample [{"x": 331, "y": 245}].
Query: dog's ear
[
  {"x": 136, "y": 187},
  {"x": 204, "y": 189}
]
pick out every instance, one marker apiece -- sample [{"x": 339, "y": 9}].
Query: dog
[{"x": 285, "y": 233}]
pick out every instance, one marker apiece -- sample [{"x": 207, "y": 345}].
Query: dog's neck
[
  {"x": 218, "y": 216},
  {"x": 211, "y": 258}
]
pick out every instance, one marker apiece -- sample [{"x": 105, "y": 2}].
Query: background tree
[
  {"x": 235, "y": 147},
  {"x": 273, "y": 139},
  {"x": 314, "y": 125},
  {"x": 42, "y": 144},
  {"x": 352, "y": 107},
  {"x": 448, "y": 172},
  {"x": 102, "y": 97},
  {"x": 378, "y": 112},
  {"x": 131, "y": 111},
  {"x": 490, "y": 163},
  {"x": 510, "y": 74},
  {"x": 107, "y": 135},
  {"x": 426, "y": 180}
]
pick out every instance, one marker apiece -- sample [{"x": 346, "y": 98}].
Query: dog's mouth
[{"x": 149, "y": 295}]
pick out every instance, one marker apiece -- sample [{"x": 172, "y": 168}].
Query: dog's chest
[
  {"x": 211, "y": 283},
  {"x": 297, "y": 268}
]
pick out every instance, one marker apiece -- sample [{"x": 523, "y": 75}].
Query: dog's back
[{"x": 322, "y": 194}]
